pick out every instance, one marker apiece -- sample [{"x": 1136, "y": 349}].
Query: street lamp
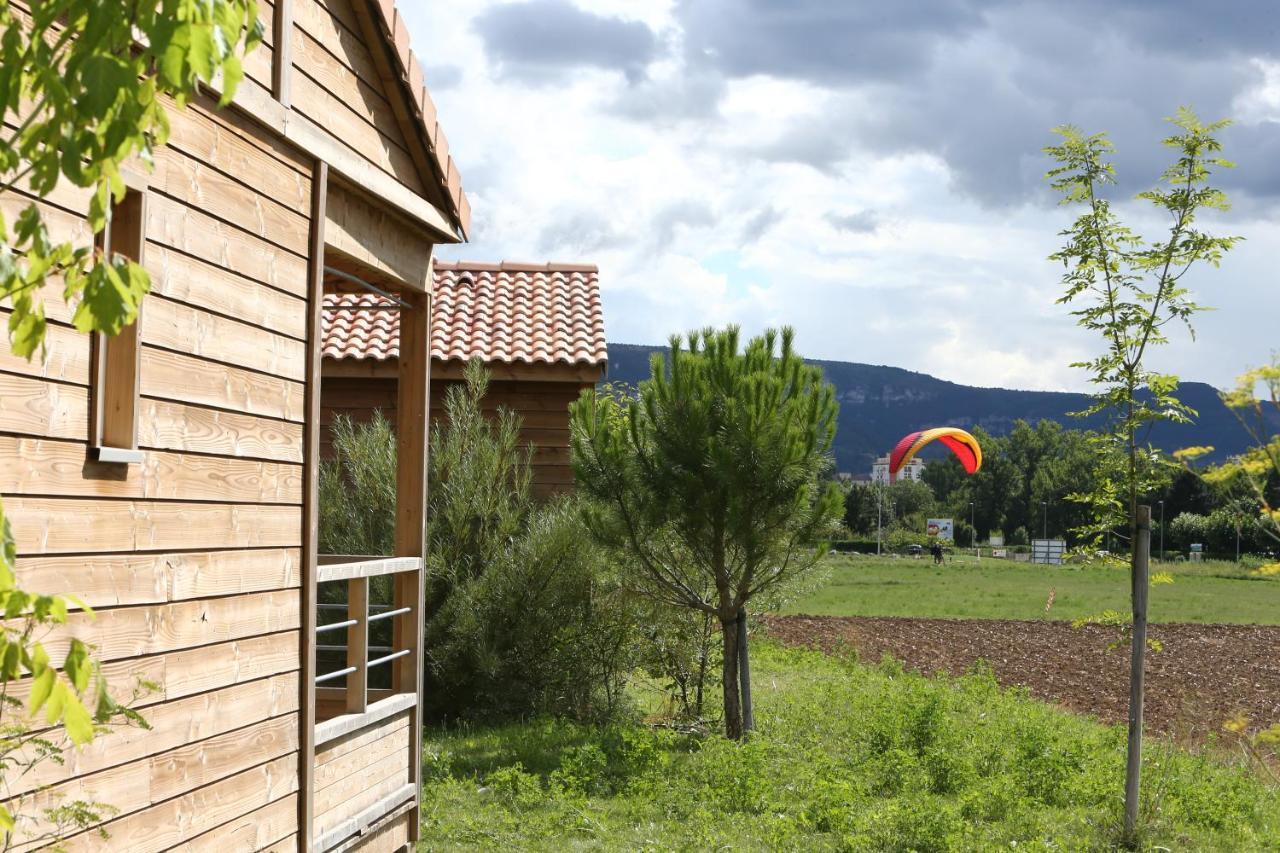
[
  {"x": 1045, "y": 504},
  {"x": 1162, "y": 531}
]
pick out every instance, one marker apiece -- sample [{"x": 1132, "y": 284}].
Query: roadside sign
[{"x": 1048, "y": 552}]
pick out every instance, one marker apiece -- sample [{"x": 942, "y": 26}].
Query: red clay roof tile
[{"x": 508, "y": 312}]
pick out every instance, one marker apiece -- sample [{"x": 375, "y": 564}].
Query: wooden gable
[{"x": 343, "y": 81}]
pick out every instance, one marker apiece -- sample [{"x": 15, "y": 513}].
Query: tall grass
[{"x": 847, "y": 757}]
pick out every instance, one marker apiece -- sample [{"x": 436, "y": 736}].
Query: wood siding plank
[
  {"x": 173, "y": 726},
  {"x": 49, "y": 467},
  {"x": 354, "y": 130},
  {"x": 203, "y": 187},
  {"x": 212, "y": 287},
  {"x": 35, "y": 407},
  {"x": 128, "y": 579},
  {"x": 177, "y": 226},
  {"x": 66, "y": 359},
  {"x": 359, "y": 740},
  {"x": 258, "y": 830},
  {"x": 394, "y": 743},
  {"x": 128, "y": 632},
  {"x": 346, "y": 797},
  {"x": 188, "y": 330},
  {"x": 170, "y": 823},
  {"x": 134, "y": 787},
  {"x": 75, "y": 526},
  {"x": 372, "y": 236},
  {"x": 241, "y": 152},
  {"x": 186, "y": 379},
  {"x": 163, "y": 425},
  {"x": 64, "y": 227}
]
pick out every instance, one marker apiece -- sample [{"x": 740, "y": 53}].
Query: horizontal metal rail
[
  {"x": 331, "y": 676},
  {"x": 378, "y": 617},
  {"x": 388, "y": 658},
  {"x": 333, "y": 626}
]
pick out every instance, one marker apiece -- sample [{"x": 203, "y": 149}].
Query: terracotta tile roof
[
  {"x": 511, "y": 313},
  {"x": 424, "y": 112}
]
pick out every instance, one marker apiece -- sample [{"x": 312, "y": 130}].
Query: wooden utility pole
[{"x": 1139, "y": 576}]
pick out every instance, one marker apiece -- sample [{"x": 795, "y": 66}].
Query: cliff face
[{"x": 879, "y": 405}]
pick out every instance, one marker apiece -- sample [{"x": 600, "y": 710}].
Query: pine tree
[{"x": 710, "y": 478}]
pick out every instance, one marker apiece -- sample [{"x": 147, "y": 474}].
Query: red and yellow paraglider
[{"x": 961, "y": 443}]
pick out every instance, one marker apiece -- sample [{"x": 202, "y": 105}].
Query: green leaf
[
  {"x": 27, "y": 331},
  {"x": 105, "y": 79},
  {"x": 78, "y": 665},
  {"x": 78, "y": 722},
  {"x": 41, "y": 689}
]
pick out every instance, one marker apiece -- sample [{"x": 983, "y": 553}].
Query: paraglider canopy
[{"x": 963, "y": 445}]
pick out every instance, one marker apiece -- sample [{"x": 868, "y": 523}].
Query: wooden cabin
[
  {"x": 168, "y": 476},
  {"x": 538, "y": 328}
]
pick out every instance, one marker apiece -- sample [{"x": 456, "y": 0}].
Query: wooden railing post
[
  {"x": 412, "y": 431},
  {"x": 358, "y": 645}
]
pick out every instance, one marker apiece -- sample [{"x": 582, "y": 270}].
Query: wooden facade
[
  {"x": 538, "y": 328},
  {"x": 196, "y": 545}
]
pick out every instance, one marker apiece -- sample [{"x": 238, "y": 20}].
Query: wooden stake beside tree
[
  {"x": 1128, "y": 290},
  {"x": 711, "y": 478}
]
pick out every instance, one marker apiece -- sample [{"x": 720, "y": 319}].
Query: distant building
[{"x": 913, "y": 470}]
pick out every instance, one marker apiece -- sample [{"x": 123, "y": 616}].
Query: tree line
[{"x": 1031, "y": 483}]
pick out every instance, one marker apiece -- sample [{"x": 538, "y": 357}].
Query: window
[{"x": 116, "y": 359}]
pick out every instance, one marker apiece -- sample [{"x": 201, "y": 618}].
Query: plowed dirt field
[{"x": 1205, "y": 674}]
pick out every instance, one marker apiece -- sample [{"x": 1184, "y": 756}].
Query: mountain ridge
[{"x": 880, "y": 403}]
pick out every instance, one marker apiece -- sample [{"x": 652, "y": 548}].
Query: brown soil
[{"x": 1204, "y": 675}]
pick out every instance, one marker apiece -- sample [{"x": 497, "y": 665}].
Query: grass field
[
  {"x": 963, "y": 589},
  {"x": 847, "y": 757}
]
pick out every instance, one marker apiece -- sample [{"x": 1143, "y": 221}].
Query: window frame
[{"x": 116, "y": 366}]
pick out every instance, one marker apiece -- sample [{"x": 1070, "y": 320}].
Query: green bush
[
  {"x": 524, "y": 612},
  {"x": 358, "y": 489}
]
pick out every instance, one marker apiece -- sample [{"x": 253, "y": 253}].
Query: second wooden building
[{"x": 538, "y": 328}]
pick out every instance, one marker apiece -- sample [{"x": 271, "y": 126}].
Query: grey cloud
[
  {"x": 680, "y": 215},
  {"x": 760, "y": 224},
  {"x": 541, "y": 39},
  {"x": 578, "y": 235},
  {"x": 819, "y": 40},
  {"x": 856, "y": 222},
  {"x": 694, "y": 94},
  {"x": 979, "y": 83}
]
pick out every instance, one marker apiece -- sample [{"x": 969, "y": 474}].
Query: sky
[{"x": 869, "y": 173}]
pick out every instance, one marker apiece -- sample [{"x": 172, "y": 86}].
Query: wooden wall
[
  {"x": 359, "y": 770},
  {"x": 192, "y": 557},
  {"x": 543, "y": 408}
]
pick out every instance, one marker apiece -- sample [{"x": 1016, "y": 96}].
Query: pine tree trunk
[{"x": 732, "y": 694}]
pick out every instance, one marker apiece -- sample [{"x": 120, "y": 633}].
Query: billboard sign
[
  {"x": 1048, "y": 552},
  {"x": 944, "y": 529}
]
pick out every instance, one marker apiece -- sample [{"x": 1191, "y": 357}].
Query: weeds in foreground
[{"x": 847, "y": 757}]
